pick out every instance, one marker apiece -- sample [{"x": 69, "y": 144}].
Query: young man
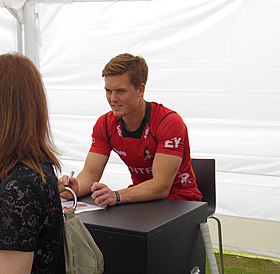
[{"x": 151, "y": 140}]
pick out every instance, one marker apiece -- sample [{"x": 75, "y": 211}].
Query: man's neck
[{"x": 132, "y": 123}]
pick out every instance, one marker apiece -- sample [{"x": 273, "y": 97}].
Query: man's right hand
[{"x": 69, "y": 182}]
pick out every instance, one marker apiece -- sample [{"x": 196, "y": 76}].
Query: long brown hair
[{"x": 24, "y": 123}]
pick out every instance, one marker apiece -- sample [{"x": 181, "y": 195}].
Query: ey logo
[{"x": 173, "y": 143}]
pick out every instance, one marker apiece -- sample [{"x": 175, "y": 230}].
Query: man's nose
[{"x": 114, "y": 96}]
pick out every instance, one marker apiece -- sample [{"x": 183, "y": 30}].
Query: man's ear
[{"x": 141, "y": 89}]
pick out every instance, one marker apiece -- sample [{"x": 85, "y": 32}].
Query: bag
[{"x": 82, "y": 255}]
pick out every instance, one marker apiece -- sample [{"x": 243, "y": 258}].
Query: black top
[{"x": 31, "y": 217}]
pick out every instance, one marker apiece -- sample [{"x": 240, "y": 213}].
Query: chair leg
[{"x": 220, "y": 241}]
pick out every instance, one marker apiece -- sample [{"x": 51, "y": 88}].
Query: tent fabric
[
  {"x": 8, "y": 31},
  {"x": 15, "y": 7},
  {"x": 215, "y": 62}
]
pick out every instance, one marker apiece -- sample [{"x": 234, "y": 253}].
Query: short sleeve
[
  {"x": 100, "y": 138},
  {"x": 172, "y": 135},
  {"x": 19, "y": 216}
]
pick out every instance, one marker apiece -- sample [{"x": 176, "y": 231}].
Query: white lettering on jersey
[
  {"x": 121, "y": 153},
  {"x": 119, "y": 130},
  {"x": 184, "y": 178},
  {"x": 140, "y": 170},
  {"x": 146, "y": 132},
  {"x": 173, "y": 143}
]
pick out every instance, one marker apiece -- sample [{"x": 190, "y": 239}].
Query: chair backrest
[{"x": 205, "y": 170}]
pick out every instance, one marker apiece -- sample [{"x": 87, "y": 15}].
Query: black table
[{"x": 158, "y": 237}]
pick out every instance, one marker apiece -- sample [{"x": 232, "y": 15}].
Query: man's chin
[{"x": 118, "y": 114}]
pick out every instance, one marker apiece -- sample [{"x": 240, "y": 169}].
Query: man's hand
[
  {"x": 70, "y": 182},
  {"x": 103, "y": 195}
]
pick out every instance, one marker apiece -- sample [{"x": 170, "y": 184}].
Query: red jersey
[{"x": 161, "y": 131}]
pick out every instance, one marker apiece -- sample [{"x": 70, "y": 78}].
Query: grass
[{"x": 236, "y": 263}]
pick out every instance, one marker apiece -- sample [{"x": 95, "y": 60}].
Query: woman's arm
[{"x": 15, "y": 262}]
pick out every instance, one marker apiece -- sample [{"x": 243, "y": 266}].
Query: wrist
[{"x": 118, "y": 197}]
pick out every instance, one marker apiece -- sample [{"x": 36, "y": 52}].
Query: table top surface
[{"x": 144, "y": 217}]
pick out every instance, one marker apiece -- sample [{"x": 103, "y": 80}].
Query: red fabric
[{"x": 165, "y": 132}]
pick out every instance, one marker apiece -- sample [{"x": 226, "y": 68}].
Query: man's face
[{"x": 122, "y": 96}]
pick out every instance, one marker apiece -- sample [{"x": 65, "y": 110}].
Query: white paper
[{"x": 81, "y": 206}]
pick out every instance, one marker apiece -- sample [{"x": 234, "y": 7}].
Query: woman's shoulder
[
  {"x": 25, "y": 176},
  {"x": 24, "y": 172},
  {"x": 19, "y": 171},
  {"x": 19, "y": 189}
]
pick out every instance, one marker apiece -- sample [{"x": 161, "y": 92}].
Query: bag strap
[
  {"x": 69, "y": 214},
  {"x": 75, "y": 199}
]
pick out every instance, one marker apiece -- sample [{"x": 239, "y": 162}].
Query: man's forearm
[
  {"x": 146, "y": 191},
  {"x": 85, "y": 182}
]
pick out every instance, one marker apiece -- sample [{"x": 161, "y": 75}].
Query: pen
[{"x": 70, "y": 175}]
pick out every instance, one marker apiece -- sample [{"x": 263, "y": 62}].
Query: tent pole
[
  {"x": 19, "y": 37},
  {"x": 30, "y": 32}
]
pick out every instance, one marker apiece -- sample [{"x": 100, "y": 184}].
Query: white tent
[{"x": 217, "y": 63}]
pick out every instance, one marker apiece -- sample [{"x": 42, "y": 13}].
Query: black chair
[{"x": 205, "y": 170}]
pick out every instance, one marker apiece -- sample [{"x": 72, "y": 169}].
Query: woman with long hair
[{"x": 31, "y": 219}]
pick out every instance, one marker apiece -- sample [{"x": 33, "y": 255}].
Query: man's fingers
[
  {"x": 61, "y": 187},
  {"x": 66, "y": 195},
  {"x": 65, "y": 180}
]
